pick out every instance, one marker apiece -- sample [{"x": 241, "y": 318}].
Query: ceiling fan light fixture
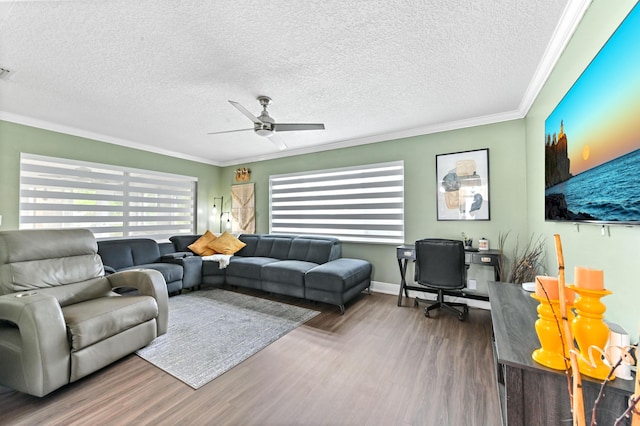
[{"x": 264, "y": 132}]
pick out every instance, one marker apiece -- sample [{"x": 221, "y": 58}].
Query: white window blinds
[
  {"x": 360, "y": 204},
  {"x": 111, "y": 201}
]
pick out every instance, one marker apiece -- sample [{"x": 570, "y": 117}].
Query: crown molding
[
  {"x": 74, "y": 131},
  {"x": 571, "y": 17},
  {"x": 383, "y": 137}
]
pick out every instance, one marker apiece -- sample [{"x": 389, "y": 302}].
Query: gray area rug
[{"x": 212, "y": 331}]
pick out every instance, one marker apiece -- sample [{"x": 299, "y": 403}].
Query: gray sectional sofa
[{"x": 307, "y": 267}]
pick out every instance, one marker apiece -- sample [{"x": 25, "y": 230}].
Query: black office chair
[{"x": 440, "y": 265}]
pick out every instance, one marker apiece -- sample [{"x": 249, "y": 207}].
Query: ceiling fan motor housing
[{"x": 265, "y": 129}]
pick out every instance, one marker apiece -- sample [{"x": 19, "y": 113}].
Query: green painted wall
[
  {"x": 516, "y": 174},
  {"x": 615, "y": 252},
  {"x": 16, "y": 138},
  {"x": 507, "y": 186}
]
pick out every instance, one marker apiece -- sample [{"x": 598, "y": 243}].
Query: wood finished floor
[{"x": 378, "y": 364}]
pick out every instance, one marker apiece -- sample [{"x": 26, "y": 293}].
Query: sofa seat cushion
[
  {"x": 287, "y": 271},
  {"x": 338, "y": 275},
  {"x": 211, "y": 267},
  {"x": 98, "y": 319},
  {"x": 170, "y": 271},
  {"x": 248, "y": 267}
]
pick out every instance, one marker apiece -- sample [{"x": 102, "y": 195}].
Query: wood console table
[{"x": 531, "y": 394}]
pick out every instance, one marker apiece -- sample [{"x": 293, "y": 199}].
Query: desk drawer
[
  {"x": 489, "y": 259},
  {"x": 406, "y": 253}
]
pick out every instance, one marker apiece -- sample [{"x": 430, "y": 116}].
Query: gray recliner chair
[{"x": 60, "y": 319}]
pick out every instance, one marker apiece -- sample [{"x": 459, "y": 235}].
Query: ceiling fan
[{"x": 265, "y": 126}]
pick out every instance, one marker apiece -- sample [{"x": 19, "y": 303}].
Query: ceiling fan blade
[
  {"x": 288, "y": 127},
  {"x": 246, "y": 112},
  {"x": 277, "y": 141},
  {"x": 228, "y": 131}
]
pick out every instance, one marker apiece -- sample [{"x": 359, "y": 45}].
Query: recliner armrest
[
  {"x": 148, "y": 282},
  {"x": 41, "y": 363}
]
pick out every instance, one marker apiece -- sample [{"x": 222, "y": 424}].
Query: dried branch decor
[
  {"x": 527, "y": 261},
  {"x": 577, "y": 401}
]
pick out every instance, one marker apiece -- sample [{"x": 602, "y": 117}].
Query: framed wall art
[{"x": 463, "y": 185}]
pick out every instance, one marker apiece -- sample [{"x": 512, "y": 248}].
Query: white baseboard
[{"x": 394, "y": 289}]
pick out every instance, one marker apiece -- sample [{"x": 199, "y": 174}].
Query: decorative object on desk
[
  {"x": 483, "y": 244},
  {"x": 636, "y": 397},
  {"x": 618, "y": 340},
  {"x": 463, "y": 185},
  {"x": 468, "y": 242},
  {"x": 530, "y": 287},
  {"x": 588, "y": 279},
  {"x": 590, "y": 332},
  {"x": 527, "y": 262},
  {"x": 553, "y": 353},
  {"x": 243, "y": 208},
  {"x": 242, "y": 174}
]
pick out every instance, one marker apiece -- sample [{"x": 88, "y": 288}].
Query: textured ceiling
[{"x": 157, "y": 74}]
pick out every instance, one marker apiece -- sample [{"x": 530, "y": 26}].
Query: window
[
  {"x": 111, "y": 201},
  {"x": 360, "y": 204}
]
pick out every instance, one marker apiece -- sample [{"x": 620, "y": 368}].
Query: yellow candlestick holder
[
  {"x": 552, "y": 353},
  {"x": 590, "y": 330}
]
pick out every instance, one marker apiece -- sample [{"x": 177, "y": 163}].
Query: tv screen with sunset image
[{"x": 592, "y": 138}]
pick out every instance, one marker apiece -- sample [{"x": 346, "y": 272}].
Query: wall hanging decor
[
  {"x": 243, "y": 174},
  {"x": 243, "y": 209},
  {"x": 463, "y": 185}
]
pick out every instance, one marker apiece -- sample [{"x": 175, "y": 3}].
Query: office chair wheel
[
  {"x": 426, "y": 313},
  {"x": 464, "y": 314}
]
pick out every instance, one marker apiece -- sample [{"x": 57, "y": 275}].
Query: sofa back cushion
[
  {"x": 42, "y": 259},
  {"x": 274, "y": 246},
  {"x": 251, "y": 241},
  {"x": 315, "y": 249},
  {"x": 128, "y": 252},
  {"x": 182, "y": 242},
  {"x": 166, "y": 248}
]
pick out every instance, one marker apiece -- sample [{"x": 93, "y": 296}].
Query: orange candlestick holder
[
  {"x": 552, "y": 353},
  {"x": 590, "y": 330}
]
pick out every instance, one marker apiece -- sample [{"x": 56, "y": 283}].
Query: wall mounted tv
[{"x": 592, "y": 137}]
